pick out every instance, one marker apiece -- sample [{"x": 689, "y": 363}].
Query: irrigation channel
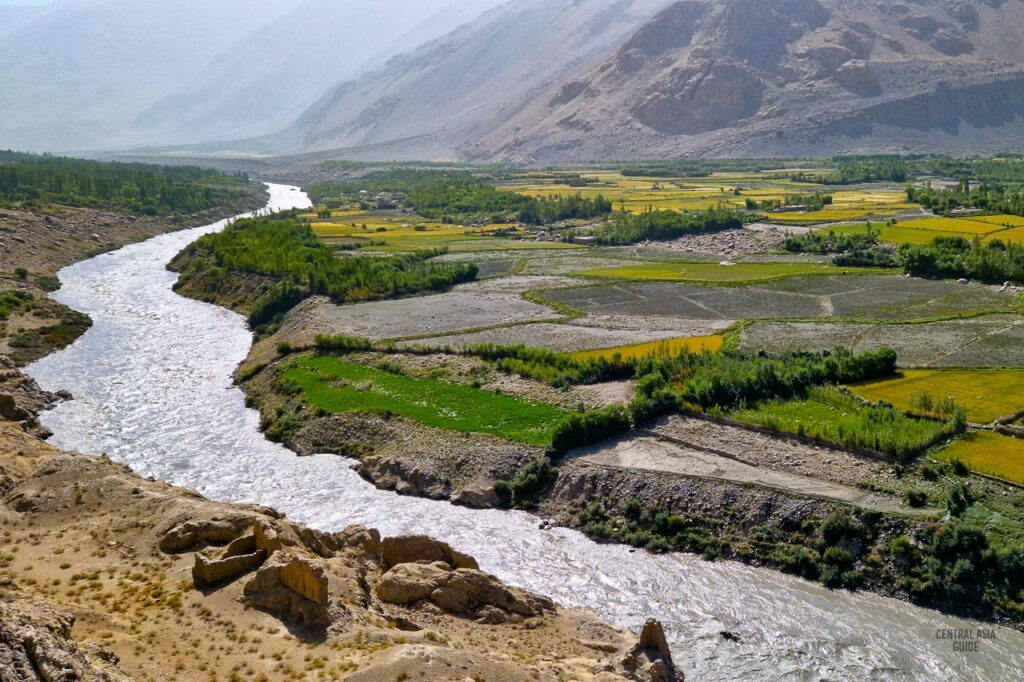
[{"x": 153, "y": 389}]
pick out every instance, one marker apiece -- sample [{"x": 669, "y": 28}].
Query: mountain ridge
[{"x": 723, "y": 78}]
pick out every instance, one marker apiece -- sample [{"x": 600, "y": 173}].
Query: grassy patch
[
  {"x": 336, "y": 386},
  {"x": 925, "y": 230},
  {"x": 827, "y": 216},
  {"x": 666, "y": 348},
  {"x": 715, "y": 273},
  {"x": 1000, "y": 220},
  {"x": 833, "y": 415},
  {"x": 402, "y": 233},
  {"x": 956, "y": 225},
  {"x": 989, "y": 453},
  {"x": 987, "y": 395},
  {"x": 1013, "y": 236}
]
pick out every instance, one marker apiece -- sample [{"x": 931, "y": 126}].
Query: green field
[
  {"x": 336, "y": 386},
  {"x": 989, "y": 453},
  {"x": 829, "y": 414},
  {"x": 724, "y": 274},
  {"x": 987, "y": 395}
]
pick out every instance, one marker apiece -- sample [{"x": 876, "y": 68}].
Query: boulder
[
  {"x": 410, "y": 583},
  {"x": 291, "y": 586},
  {"x": 241, "y": 556},
  {"x": 266, "y": 537},
  {"x": 410, "y": 549},
  {"x": 36, "y": 644},
  {"x": 9, "y": 409},
  {"x": 478, "y": 496},
  {"x": 651, "y": 657},
  {"x": 203, "y": 531},
  {"x": 652, "y": 638},
  {"x": 365, "y": 540},
  {"x": 306, "y": 578},
  {"x": 461, "y": 591}
]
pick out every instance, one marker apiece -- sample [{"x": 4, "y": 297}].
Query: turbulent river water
[{"x": 153, "y": 389}]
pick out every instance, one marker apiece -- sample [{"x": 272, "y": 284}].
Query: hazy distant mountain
[
  {"x": 265, "y": 80},
  {"x": 13, "y": 17},
  {"x": 75, "y": 76},
  {"x": 557, "y": 80},
  {"x": 457, "y": 88},
  {"x": 437, "y": 25}
]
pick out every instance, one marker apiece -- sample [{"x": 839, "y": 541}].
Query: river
[{"x": 153, "y": 389}]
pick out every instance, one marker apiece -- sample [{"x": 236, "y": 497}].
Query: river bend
[{"x": 153, "y": 389}]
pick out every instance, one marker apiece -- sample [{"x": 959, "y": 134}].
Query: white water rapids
[{"x": 153, "y": 389}]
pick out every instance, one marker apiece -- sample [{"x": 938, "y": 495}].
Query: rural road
[{"x": 647, "y": 453}]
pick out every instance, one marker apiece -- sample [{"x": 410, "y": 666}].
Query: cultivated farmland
[
  {"x": 989, "y": 453},
  {"x": 334, "y": 386},
  {"x": 987, "y": 395},
  {"x": 862, "y": 297}
]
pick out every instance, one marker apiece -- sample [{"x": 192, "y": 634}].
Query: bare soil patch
[
  {"x": 869, "y": 297},
  {"x": 590, "y": 333},
  {"x": 991, "y": 341}
]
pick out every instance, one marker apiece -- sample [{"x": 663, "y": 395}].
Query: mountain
[
  {"x": 439, "y": 24},
  {"x": 557, "y": 80},
  {"x": 456, "y": 89},
  {"x": 13, "y": 17},
  {"x": 79, "y": 73},
  {"x": 267, "y": 78}
]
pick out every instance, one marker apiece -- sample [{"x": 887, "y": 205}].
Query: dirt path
[{"x": 647, "y": 453}]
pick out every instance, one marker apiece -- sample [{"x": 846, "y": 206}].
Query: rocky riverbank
[
  {"x": 681, "y": 485},
  {"x": 36, "y": 242}
]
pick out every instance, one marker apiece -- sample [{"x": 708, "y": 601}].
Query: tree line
[
  {"x": 135, "y": 187},
  {"x": 993, "y": 198},
  {"x": 662, "y": 225},
  {"x": 286, "y": 249},
  {"x": 453, "y": 202},
  {"x": 993, "y": 262}
]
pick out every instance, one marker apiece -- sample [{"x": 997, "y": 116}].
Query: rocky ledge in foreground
[{"x": 106, "y": 576}]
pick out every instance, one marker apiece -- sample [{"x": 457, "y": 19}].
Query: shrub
[
  {"x": 840, "y": 526},
  {"x": 902, "y": 546},
  {"x": 837, "y": 557},
  {"x": 531, "y": 481},
  {"x": 590, "y": 427},
  {"x": 917, "y": 498},
  {"x": 959, "y": 499},
  {"x": 21, "y": 273},
  {"x": 284, "y": 348},
  {"x": 341, "y": 344}
]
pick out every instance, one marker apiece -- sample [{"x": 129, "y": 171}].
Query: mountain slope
[
  {"x": 265, "y": 80},
  {"x": 114, "y": 58},
  {"x": 784, "y": 77},
  {"x": 459, "y": 87},
  {"x": 710, "y": 77},
  {"x": 13, "y": 17}
]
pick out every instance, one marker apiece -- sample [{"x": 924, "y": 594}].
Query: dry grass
[
  {"x": 987, "y": 395},
  {"x": 989, "y": 453},
  {"x": 667, "y": 348}
]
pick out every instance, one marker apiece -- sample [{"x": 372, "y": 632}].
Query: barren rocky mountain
[
  {"x": 543, "y": 81},
  {"x": 468, "y": 83}
]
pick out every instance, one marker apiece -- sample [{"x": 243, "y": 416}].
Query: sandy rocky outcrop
[{"x": 106, "y": 576}]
